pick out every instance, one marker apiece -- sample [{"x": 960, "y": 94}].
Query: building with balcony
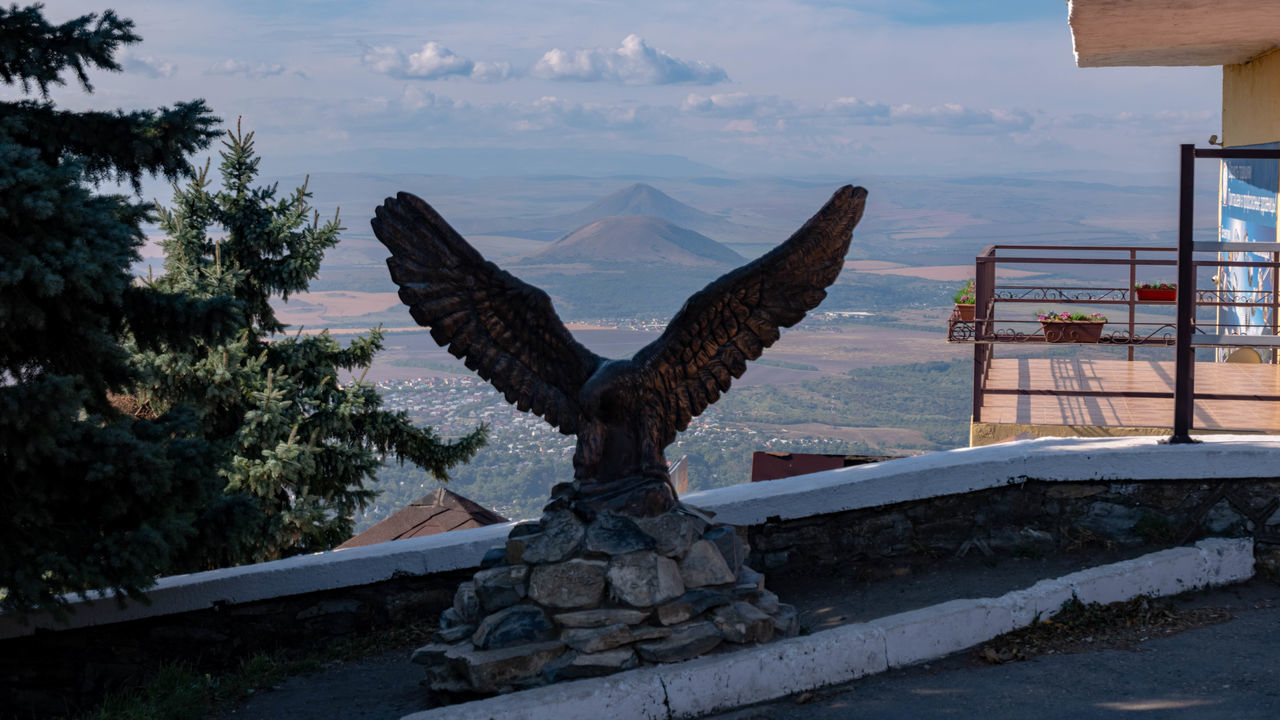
[{"x": 1200, "y": 358}]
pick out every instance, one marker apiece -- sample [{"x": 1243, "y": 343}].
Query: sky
[{"x": 742, "y": 87}]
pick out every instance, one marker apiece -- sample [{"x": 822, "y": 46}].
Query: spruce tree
[
  {"x": 92, "y": 498},
  {"x": 298, "y": 430}
]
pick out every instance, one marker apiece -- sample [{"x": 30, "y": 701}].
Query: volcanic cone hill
[
  {"x": 634, "y": 200},
  {"x": 636, "y": 239},
  {"x": 642, "y": 199}
]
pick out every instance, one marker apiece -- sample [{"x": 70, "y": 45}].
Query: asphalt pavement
[
  {"x": 1229, "y": 671},
  {"x": 1226, "y": 671}
]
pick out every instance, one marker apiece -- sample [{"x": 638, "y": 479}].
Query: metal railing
[
  {"x": 1184, "y": 373},
  {"x": 1181, "y": 333},
  {"x": 988, "y": 329}
]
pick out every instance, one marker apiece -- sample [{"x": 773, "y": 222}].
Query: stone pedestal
[{"x": 566, "y": 598}]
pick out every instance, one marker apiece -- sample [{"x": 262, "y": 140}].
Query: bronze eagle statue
[{"x": 624, "y": 412}]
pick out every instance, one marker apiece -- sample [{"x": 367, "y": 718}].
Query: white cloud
[
  {"x": 739, "y": 105},
  {"x": 554, "y": 112},
  {"x": 960, "y": 119},
  {"x": 491, "y": 71},
  {"x": 1165, "y": 119},
  {"x": 773, "y": 111},
  {"x": 436, "y": 61},
  {"x": 737, "y": 114},
  {"x": 852, "y": 108},
  {"x": 145, "y": 65},
  {"x": 433, "y": 62},
  {"x": 635, "y": 63},
  {"x": 240, "y": 67},
  {"x": 384, "y": 59},
  {"x": 416, "y": 100},
  {"x": 417, "y": 109}
]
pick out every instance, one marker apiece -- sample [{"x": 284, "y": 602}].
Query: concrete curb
[{"x": 722, "y": 682}]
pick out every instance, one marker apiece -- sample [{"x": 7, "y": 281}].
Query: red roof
[
  {"x": 438, "y": 512},
  {"x": 767, "y": 465}
]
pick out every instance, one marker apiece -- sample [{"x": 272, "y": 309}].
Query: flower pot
[
  {"x": 1154, "y": 295},
  {"x": 964, "y": 312},
  {"x": 1072, "y": 332}
]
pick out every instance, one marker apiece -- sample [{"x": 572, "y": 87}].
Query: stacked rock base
[{"x": 571, "y": 599}]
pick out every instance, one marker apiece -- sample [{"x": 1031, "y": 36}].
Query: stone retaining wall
[
  {"x": 1032, "y": 497},
  {"x": 1032, "y": 517}
]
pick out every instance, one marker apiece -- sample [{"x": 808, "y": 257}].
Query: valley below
[{"x": 868, "y": 372}]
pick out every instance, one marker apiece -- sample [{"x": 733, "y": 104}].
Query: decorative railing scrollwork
[
  {"x": 960, "y": 331},
  {"x": 1217, "y": 296},
  {"x": 1166, "y": 334},
  {"x": 1108, "y": 296},
  {"x": 1065, "y": 333},
  {"x": 1017, "y": 293}
]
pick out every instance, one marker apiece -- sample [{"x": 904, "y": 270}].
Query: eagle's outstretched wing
[
  {"x": 735, "y": 318},
  {"x": 504, "y": 329}
]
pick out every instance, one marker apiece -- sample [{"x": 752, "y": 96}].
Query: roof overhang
[{"x": 1109, "y": 33}]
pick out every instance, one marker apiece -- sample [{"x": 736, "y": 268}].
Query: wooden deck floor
[{"x": 1048, "y": 374}]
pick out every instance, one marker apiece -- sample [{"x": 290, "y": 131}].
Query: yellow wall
[{"x": 1251, "y": 101}]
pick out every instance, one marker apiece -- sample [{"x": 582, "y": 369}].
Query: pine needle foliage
[
  {"x": 298, "y": 430},
  {"x": 93, "y": 498}
]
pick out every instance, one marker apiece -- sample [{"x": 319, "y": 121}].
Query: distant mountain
[
  {"x": 636, "y": 239},
  {"x": 638, "y": 199}
]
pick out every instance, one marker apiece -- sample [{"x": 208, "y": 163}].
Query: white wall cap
[
  {"x": 291, "y": 576},
  {"x": 1129, "y": 459},
  {"x": 968, "y": 469}
]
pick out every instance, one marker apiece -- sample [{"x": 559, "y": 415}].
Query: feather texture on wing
[
  {"x": 731, "y": 321},
  {"x": 503, "y": 328}
]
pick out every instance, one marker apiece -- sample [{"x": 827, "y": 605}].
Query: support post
[
  {"x": 1184, "y": 366},
  {"x": 1133, "y": 306},
  {"x": 1275, "y": 301},
  {"x": 982, "y": 293}
]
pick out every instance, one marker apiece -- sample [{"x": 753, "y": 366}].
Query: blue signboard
[{"x": 1248, "y": 214}]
